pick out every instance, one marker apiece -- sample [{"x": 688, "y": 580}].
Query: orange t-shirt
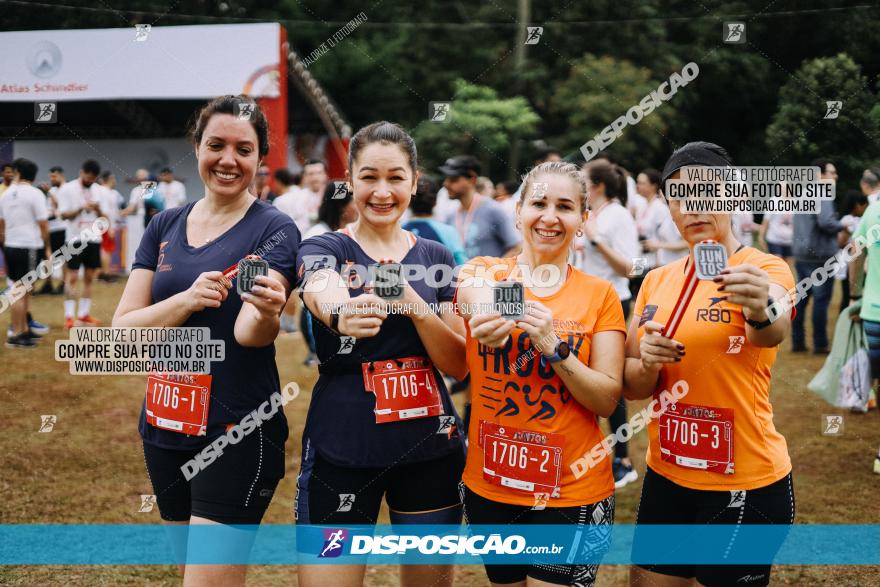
[
  {"x": 529, "y": 420},
  {"x": 728, "y": 385}
]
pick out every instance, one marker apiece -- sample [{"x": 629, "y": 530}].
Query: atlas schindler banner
[{"x": 141, "y": 62}]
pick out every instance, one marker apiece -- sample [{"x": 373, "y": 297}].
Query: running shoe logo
[{"x": 334, "y": 540}]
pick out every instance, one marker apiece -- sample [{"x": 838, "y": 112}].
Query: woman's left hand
[
  {"x": 267, "y": 296},
  {"x": 747, "y": 286},
  {"x": 538, "y": 323}
]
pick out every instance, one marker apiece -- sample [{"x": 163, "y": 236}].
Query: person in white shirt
[
  {"x": 308, "y": 195},
  {"x": 172, "y": 191},
  {"x": 777, "y": 231},
  {"x": 79, "y": 202},
  {"x": 57, "y": 229},
  {"x": 661, "y": 240},
  {"x": 609, "y": 247},
  {"x": 743, "y": 225},
  {"x": 24, "y": 235},
  {"x": 287, "y": 193},
  {"x": 113, "y": 213},
  {"x": 870, "y": 184},
  {"x": 504, "y": 191}
]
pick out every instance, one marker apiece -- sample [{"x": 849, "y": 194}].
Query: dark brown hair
[
  {"x": 611, "y": 176},
  {"x": 232, "y": 105},
  {"x": 387, "y": 133}
]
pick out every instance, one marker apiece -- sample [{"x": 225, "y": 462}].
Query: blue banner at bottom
[{"x": 620, "y": 544}]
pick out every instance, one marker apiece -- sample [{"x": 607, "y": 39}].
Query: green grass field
[{"x": 90, "y": 468}]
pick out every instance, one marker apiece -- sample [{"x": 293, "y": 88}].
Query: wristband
[{"x": 760, "y": 325}]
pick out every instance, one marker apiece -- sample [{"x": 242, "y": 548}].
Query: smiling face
[
  {"x": 227, "y": 155},
  {"x": 698, "y": 227},
  {"x": 550, "y": 216},
  {"x": 382, "y": 182}
]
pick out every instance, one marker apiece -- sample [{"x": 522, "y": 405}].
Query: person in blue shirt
[
  {"x": 380, "y": 424},
  {"x": 423, "y": 225},
  {"x": 177, "y": 280}
]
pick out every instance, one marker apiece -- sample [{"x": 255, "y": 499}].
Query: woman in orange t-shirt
[
  {"x": 714, "y": 457},
  {"x": 539, "y": 380}
]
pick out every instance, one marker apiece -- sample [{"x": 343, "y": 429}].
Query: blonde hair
[{"x": 569, "y": 170}]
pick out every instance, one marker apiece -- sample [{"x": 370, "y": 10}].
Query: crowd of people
[{"x": 599, "y": 333}]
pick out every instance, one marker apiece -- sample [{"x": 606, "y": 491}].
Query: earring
[
  {"x": 580, "y": 233},
  {"x": 518, "y": 225}
]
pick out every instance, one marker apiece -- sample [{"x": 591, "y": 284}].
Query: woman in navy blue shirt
[
  {"x": 380, "y": 423},
  {"x": 177, "y": 280}
]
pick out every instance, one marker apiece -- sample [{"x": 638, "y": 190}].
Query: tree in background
[
  {"x": 597, "y": 91},
  {"x": 800, "y": 130},
  {"x": 480, "y": 124}
]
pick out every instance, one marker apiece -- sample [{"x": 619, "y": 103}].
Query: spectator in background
[
  {"x": 777, "y": 231},
  {"x": 608, "y": 247},
  {"x": 262, "y": 189},
  {"x": 505, "y": 190},
  {"x": 743, "y": 226},
  {"x": 288, "y": 194},
  {"x": 8, "y": 174},
  {"x": 172, "y": 191},
  {"x": 57, "y": 229},
  {"x": 547, "y": 154},
  {"x": 485, "y": 187},
  {"x": 24, "y": 236},
  {"x": 80, "y": 203},
  {"x": 635, "y": 202},
  {"x": 870, "y": 184},
  {"x": 284, "y": 182},
  {"x": 145, "y": 199},
  {"x": 480, "y": 222},
  {"x": 113, "y": 213},
  {"x": 661, "y": 241},
  {"x": 815, "y": 240},
  {"x": 505, "y": 195},
  {"x": 422, "y": 224},
  {"x": 867, "y": 289},
  {"x": 309, "y": 194},
  {"x": 856, "y": 203},
  {"x": 334, "y": 213}
]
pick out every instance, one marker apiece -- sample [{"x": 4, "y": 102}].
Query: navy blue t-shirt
[
  {"x": 341, "y": 424},
  {"x": 248, "y": 376}
]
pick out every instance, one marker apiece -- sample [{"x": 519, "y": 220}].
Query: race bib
[
  {"x": 178, "y": 402},
  {"x": 405, "y": 389},
  {"x": 697, "y": 437},
  {"x": 521, "y": 459}
]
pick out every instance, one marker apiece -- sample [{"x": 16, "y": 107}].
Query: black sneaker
[
  {"x": 27, "y": 333},
  {"x": 623, "y": 474},
  {"x": 22, "y": 341}
]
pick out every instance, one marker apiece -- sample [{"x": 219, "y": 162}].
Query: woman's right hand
[
  {"x": 362, "y": 316},
  {"x": 209, "y": 290},
  {"x": 491, "y": 329},
  {"x": 656, "y": 349}
]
